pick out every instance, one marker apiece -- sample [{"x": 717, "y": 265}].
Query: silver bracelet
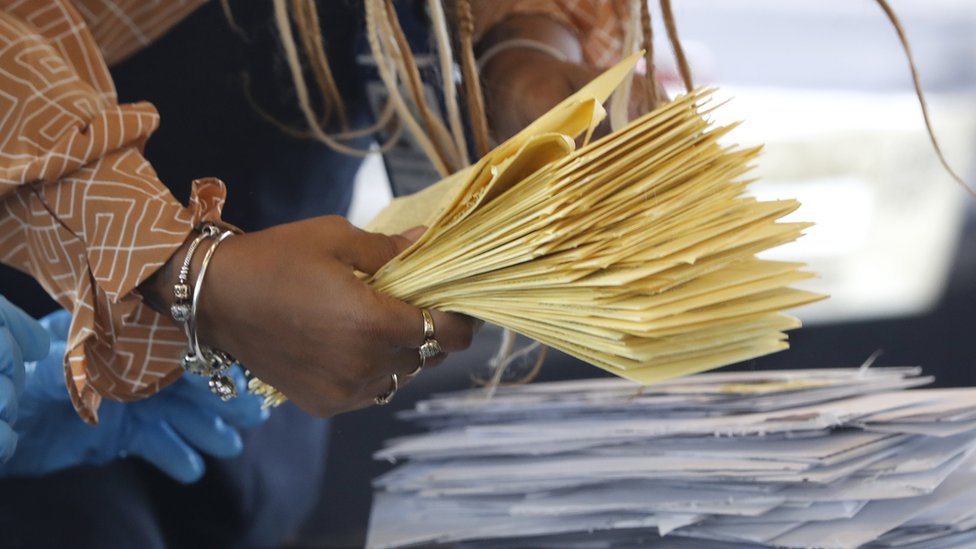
[
  {"x": 201, "y": 359},
  {"x": 182, "y": 289}
]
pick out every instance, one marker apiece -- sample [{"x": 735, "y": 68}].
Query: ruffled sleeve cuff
[
  {"x": 81, "y": 210},
  {"x": 91, "y": 239}
]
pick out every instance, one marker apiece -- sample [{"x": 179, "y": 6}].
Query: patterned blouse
[{"x": 81, "y": 209}]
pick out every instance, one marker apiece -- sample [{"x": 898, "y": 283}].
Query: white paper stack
[{"x": 833, "y": 458}]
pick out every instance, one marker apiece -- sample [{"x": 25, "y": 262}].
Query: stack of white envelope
[{"x": 832, "y": 458}]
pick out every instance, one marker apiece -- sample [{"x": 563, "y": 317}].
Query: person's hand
[
  {"x": 168, "y": 429},
  {"x": 521, "y": 83},
  {"x": 286, "y": 302},
  {"x": 21, "y": 338}
]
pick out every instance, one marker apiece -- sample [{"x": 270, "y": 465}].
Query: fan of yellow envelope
[{"x": 634, "y": 253}]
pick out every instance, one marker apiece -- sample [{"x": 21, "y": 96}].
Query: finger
[
  {"x": 8, "y": 401},
  {"x": 366, "y": 251},
  {"x": 407, "y": 361},
  {"x": 203, "y": 429},
  {"x": 57, "y": 324},
  {"x": 46, "y": 378},
  {"x": 11, "y": 359},
  {"x": 8, "y": 442},
  {"x": 404, "y": 326},
  {"x": 402, "y": 362},
  {"x": 158, "y": 443},
  {"x": 379, "y": 387},
  {"x": 414, "y": 233},
  {"x": 453, "y": 331},
  {"x": 246, "y": 410},
  {"x": 30, "y": 336}
]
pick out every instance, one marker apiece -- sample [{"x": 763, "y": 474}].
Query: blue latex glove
[
  {"x": 166, "y": 429},
  {"x": 21, "y": 338}
]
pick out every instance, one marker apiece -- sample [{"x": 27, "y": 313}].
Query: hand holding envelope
[{"x": 634, "y": 253}]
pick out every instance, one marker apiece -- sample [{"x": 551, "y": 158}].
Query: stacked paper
[
  {"x": 635, "y": 253},
  {"x": 833, "y": 458}
]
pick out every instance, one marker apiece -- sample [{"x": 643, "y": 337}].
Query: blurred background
[{"x": 825, "y": 85}]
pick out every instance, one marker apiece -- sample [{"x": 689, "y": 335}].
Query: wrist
[
  {"x": 510, "y": 53},
  {"x": 518, "y": 71},
  {"x": 518, "y": 45},
  {"x": 218, "y": 294},
  {"x": 157, "y": 290},
  {"x": 546, "y": 33}
]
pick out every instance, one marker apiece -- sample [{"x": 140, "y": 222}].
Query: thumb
[
  {"x": 413, "y": 234},
  {"x": 202, "y": 428},
  {"x": 368, "y": 252}
]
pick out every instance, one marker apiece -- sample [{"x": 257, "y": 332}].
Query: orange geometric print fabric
[
  {"x": 83, "y": 212},
  {"x": 80, "y": 209}
]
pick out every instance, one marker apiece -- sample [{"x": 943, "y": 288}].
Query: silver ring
[
  {"x": 430, "y": 348},
  {"x": 428, "y": 324},
  {"x": 386, "y": 397}
]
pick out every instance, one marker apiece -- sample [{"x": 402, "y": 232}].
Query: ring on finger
[
  {"x": 419, "y": 368},
  {"x": 428, "y": 324},
  {"x": 386, "y": 397},
  {"x": 429, "y": 349},
  {"x": 430, "y": 346}
]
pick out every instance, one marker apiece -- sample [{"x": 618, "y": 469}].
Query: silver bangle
[
  {"x": 201, "y": 359},
  {"x": 182, "y": 289},
  {"x": 197, "y": 290},
  {"x": 522, "y": 43}
]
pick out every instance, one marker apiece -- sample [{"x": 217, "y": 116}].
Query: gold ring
[
  {"x": 428, "y": 324},
  {"x": 430, "y": 346},
  {"x": 386, "y": 397}
]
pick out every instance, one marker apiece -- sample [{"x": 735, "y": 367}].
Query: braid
[
  {"x": 679, "y": 52},
  {"x": 647, "y": 35},
  {"x": 469, "y": 70}
]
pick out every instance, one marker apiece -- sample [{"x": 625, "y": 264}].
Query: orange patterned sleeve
[
  {"x": 123, "y": 27},
  {"x": 599, "y": 24},
  {"x": 81, "y": 210}
]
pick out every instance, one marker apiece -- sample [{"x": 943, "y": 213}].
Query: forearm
[{"x": 541, "y": 29}]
